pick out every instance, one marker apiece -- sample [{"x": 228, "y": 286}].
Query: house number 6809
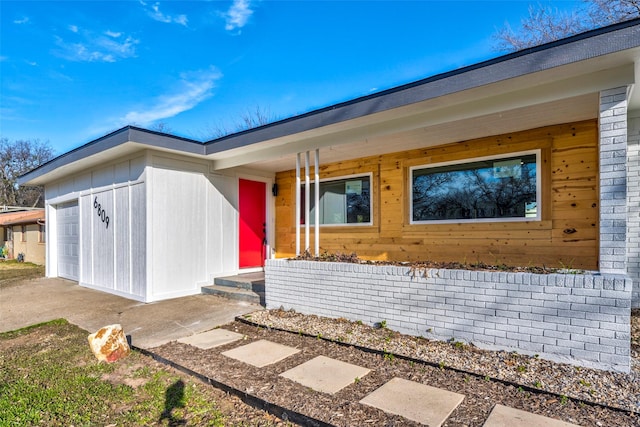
[{"x": 101, "y": 213}]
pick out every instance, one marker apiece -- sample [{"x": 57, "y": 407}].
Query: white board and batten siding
[
  {"x": 154, "y": 227},
  {"x": 193, "y": 225},
  {"x": 107, "y": 207}
]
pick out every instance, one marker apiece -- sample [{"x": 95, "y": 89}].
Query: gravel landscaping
[
  {"x": 613, "y": 389},
  {"x": 578, "y": 395}
]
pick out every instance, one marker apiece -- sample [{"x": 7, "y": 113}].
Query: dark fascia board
[
  {"x": 121, "y": 136},
  {"x": 591, "y": 44}
]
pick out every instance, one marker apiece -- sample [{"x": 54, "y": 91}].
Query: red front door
[{"x": 253, "y": 223}]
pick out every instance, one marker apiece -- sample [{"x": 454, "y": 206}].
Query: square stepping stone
[
  {"x": 211, "y": 339},
  {"x": 504, "y": 416},
  {"x": 417, "y": 402},
  {"x": 261, "y": 353},
  {"x": 325, "y": 374}
]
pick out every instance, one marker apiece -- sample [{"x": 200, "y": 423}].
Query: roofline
[
  {"x": 115, "y": 138},
  {"x": 381, "y": 101}
]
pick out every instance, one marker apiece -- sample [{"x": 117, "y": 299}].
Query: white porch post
[
  {"x": 297, "y": 214},
  {"x": 317, "y": 203},
  {"x": 307, "y": 196}
]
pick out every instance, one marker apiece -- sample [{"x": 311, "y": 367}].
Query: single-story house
[
  {"x": 531, "y": 158},
  {"x": 24, "y": 232}
]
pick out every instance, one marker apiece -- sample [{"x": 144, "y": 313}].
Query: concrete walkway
[
  {"x": 415, "y": 401},
  {"x": 149, "y": 325}
]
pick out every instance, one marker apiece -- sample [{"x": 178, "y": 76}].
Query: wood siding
[{"x": 566, "y": 235}]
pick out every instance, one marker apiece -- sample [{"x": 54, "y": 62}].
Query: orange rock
[{"x": 109, "y": 343}]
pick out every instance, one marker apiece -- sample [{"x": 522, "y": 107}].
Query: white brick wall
[
  {"x": 633, "y": 202},
  {"x": 581, "y": 319}
]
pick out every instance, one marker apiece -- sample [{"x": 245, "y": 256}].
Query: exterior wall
[
  {"x": 112, "y": 254},
  {"x": 32, "y": 248},
  {"x": 193, "y": 224},
  {"x": 567, "y": 234},
  {"x": 633, "y": 196},
  {"x": 578, "y": 318}
]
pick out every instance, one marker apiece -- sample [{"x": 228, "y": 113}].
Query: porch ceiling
[{"x": 579, "y": 108}]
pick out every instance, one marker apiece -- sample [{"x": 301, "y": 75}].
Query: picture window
[{"x": 488, "y": 189}]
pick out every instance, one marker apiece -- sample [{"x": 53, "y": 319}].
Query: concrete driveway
[{"x": 149, "y": 325}]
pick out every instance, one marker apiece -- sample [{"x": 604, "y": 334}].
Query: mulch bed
[{"x": 344, "y": 409}]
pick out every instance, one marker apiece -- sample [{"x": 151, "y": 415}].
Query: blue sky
[{"x": 73, "y": 71}]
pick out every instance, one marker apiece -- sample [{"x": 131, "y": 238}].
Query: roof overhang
[
  {"x": 554, "y": 83},
  {"x": 123, "y": 142}
]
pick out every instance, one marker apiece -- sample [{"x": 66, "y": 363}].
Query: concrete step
[
  {"x": 250, "y": 281},
  {"x": 235, "y": 293}
]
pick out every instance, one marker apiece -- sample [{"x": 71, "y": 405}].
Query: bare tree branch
[{"x": 546, "y": 23}]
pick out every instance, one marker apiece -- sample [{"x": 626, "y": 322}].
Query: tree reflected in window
[{"x": 495, "y": 188}]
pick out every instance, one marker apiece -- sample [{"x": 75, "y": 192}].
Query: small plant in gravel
[
  {"x": 382, "y": 324},
  {"x": 442, "y": 365},
  {"x": 584, "y": 383},
  {"x": 537, "y": 384},
  {"x": 564, "y": 399},
  {"x": 390, "y": 357},
  {"x": 356, "y": 380},
  {"x": 521, "y": 368}
]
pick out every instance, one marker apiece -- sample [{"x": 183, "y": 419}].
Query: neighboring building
[
  {"x": 531, "y": 158},
  {"x": 24, "y": 232}
]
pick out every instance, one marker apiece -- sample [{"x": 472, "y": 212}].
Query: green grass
[{"x": 48, "y": 376}]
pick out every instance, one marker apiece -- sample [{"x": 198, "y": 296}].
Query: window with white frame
[
  {"x": 343, "y": 201},
  {"x": 505, "y": 188}
]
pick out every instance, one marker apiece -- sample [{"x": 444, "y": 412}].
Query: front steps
[{"x": 247, "y": 287}]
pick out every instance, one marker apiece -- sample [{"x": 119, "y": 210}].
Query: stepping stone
[
  {"x": 417, "y": 402},
  {"x": 504, "y": 416},
  {"x": 211, "y": 339},
  {"x": 261, "y": 353},
  {"x": 325, "y": 374}
]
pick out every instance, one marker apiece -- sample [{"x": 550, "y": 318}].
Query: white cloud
[
  {"x": 154, "y": 12},
  {"x": 73, "y": 28},
  {"x": 21, "y": 20},
  {"x": 192, "y": 89},
  {"x": 238, "y": 14},
  {"x": 97, "y": 48},
  {"x": 112, "y": 34}
]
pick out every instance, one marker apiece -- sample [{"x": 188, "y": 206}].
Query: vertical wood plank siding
[{"x": 567, "y": 234}]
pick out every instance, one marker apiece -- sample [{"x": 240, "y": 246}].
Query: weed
[
  {"x": 390, "y": 357},
  {"x": 319, "y": 336},
  {"x": 487, "y": 378},
  {"x": 441, "y": 365},
  {"x": 521, "y": 368},
  {"x": 356, "y": 380},
  {"x": 458, "y": 344},
  {"x": 584, "y": 383},
  {"x": 537, "y": 384},
  {"x": 382, "y": 324},
  {"x": 564, "y": 399}
]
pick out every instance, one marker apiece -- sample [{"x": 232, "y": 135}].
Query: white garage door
[{"x": 68, "y": 240}]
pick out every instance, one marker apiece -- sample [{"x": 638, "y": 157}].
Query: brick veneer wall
[{"x": 578, "y": 318}]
